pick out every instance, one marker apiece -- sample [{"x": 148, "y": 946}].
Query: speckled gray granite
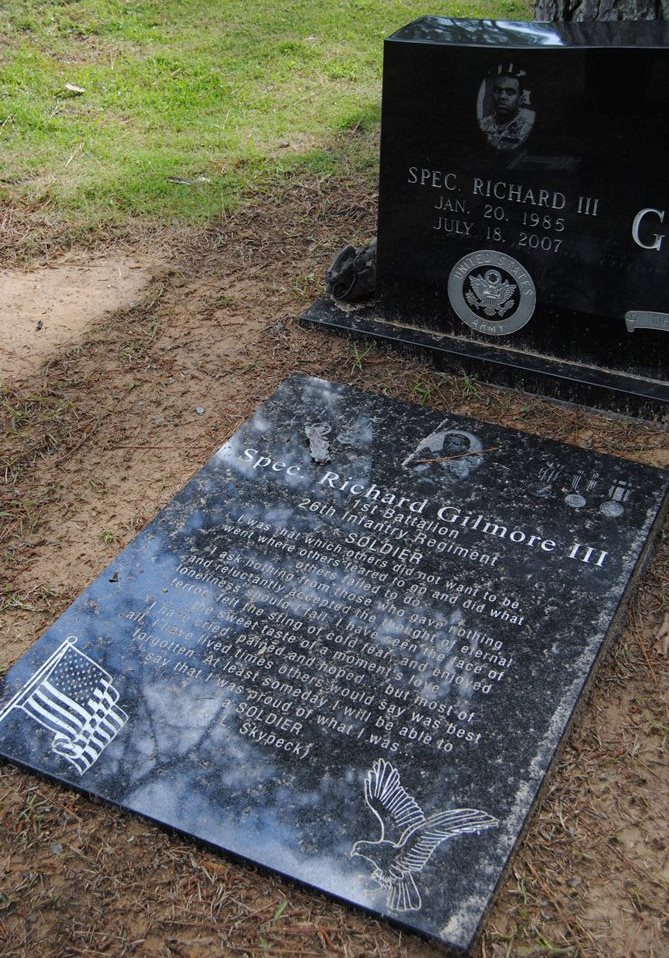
[{"x": 347, "y": 650}]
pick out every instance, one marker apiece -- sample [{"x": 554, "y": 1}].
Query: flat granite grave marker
[
  {"x": 348, "y": 649},
  {"x": 523, "y": 209}
]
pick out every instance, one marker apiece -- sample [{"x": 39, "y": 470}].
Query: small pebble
[
  {"x": 199, "y": 410},
  {"x": 56, "y": 848}
]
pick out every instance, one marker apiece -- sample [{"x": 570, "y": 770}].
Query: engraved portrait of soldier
[{"x": 504, "y": 112}]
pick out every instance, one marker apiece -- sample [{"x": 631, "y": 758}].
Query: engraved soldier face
[
  {"x": 506, "y": 97},
  {"x": 455, "y": 442}
]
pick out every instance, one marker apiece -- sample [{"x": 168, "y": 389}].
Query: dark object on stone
[
  {"x": 359, "y": 673},
  {"x": 580, "y": 10},
  {"x": 523, "y": 206},
  {"x": 352, "y": 275}
]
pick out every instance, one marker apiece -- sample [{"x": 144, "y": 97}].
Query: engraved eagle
[
  {"x": 395, "y": 863},
  {"x": 493, "y": 294}
]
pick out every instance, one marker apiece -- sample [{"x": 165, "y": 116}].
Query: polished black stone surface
[
  {"x": 523, "y": 190},
  {"x": 347, "y": 650},
  {"x": 537, "y": 160},
  {"x": 523, "y": 34}
]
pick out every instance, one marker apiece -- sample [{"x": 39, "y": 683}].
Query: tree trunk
[{"x": 601, "y": 10}]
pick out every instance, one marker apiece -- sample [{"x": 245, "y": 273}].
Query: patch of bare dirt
[
  {"x": 46, "y": 308},
  {"x": 102, "y": 436}
]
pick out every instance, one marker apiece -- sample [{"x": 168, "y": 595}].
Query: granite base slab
[{"x": 570, "y": 381}]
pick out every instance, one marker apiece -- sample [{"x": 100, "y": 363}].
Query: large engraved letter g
[{"x": 657, "y": 243}]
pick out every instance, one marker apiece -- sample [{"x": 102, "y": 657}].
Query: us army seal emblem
[{"x": 492, "y": 292}]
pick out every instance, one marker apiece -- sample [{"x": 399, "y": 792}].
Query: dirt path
[{"x": 101, "y": 437}]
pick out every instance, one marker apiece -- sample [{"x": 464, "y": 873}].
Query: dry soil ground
[{"x": 99, "y": 431}]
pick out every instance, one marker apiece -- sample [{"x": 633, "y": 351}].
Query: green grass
[{"x": 221, "y": 93}]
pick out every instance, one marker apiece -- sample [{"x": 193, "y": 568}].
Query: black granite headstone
[
  {"x": 523, "y": 203},
  {"x": 347, "y": 650}
]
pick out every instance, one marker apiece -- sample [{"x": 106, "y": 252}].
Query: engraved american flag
[{"x": 73, "y": 697}]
